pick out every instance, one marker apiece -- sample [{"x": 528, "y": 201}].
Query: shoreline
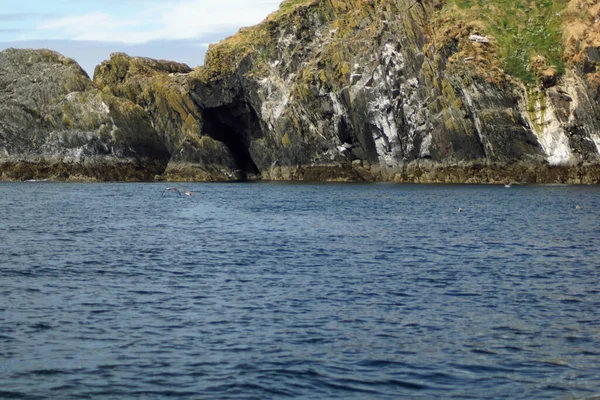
[{"x": 424, "y": 172}]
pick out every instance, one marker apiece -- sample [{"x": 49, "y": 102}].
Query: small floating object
[
  {"x": 460, "y": 210},
  {"x": 578, "y": 207}
]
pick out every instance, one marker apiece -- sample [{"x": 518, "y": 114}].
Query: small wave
[
  {"x": 6, "y": 338},
  {"x": 555, "y": 362},
  {"x": 98, "y": 312},
  {"x": 113, "y": 393},
  {"x": 50, "y": 372},
  {"x": 4, "y": 394},
  {"x": 486, "y": 369},
  {"x": 247, "y": 389},
  {"x": 348, "y": 388},
  {"x": 41, "y": 326},
  {"x": 571, "y": 301},
  {"x": 397, "y": 383},
  {"x": 403, "y": 384},
  {"x": 312, "y": 340},
  {"x": 384, "y": 364},
  {"x": 147, "y": 292},
  {"x": 462, "y": 294},
  {"x": 578, "y": 339},
  {"x": 513, "y": 348},
  {"x": 590, "y": 353},
  {"x": 63, "y": 388},
  {"x": 483, "y": 351},
  {"x": 400, "y": 294}
]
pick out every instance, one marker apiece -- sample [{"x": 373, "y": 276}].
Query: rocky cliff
[
  {"x": 411, "y": 91},
  {"x": 161, "y": 88},
  {"x": 55, "y": 124}
]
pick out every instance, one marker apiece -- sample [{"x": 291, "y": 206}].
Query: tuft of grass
[
  {"x": 289, "y": 5},
  {"x": 524, "y": 30}
]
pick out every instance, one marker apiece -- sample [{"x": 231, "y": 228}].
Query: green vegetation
[
  {"x": 288, "y": 6},
  {"x": 524, "y": 29},
  {"x": 527, "y": 43}
]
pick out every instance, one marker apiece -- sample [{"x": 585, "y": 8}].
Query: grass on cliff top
[
  {"x": 523, "y": 29},
  {"x": 288, "y": 6}
]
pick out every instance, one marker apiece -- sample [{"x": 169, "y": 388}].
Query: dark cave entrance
[{"x": 234, "y": 125}]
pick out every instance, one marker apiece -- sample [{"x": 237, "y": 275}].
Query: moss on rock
[{"x": 56, "y": 124}]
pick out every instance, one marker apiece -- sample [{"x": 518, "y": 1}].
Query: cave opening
[{"x": 234, "y": 125}]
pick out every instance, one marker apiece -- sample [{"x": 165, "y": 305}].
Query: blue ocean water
[{"x": 312, "y": 291}]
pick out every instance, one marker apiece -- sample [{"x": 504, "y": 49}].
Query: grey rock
[{"x": 55, "y": 123}]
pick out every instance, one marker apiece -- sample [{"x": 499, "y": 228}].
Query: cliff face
[
  {"x": 411, "y": 91},
  {"x": 161, "y": 88},
  {"x": 399, "y": 90},
  {"x": 54, "y": 123}
]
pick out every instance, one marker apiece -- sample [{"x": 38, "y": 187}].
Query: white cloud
[
  {"x": 186, "y": 19},
  {"x": 194, "y": 18},
  {"x": 94, "y": 26}
]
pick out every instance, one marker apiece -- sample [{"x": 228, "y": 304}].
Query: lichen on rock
[
  {"x": 56, "y": 124},
  {"x": 400, "y": 83},
  {"x": 162, "y": 90}
]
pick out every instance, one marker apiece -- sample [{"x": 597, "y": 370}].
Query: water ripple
[{"x": 302, "y": 291}]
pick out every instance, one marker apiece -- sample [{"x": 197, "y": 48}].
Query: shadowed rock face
[
  {"x": 333, "y": 90},
  {"x": 55, "y": 123},
  {"x": 159, "y": 88},
  {"x": 200, "y": 143}
]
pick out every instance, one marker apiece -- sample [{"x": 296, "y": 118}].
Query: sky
[{"x": 89, "y": 30}]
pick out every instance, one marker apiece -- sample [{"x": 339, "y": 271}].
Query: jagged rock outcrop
[
  {"x": 55, "y": 123},
  {"x": 161, "y": 89}
]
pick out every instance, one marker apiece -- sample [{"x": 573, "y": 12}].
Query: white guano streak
[{"x": 551, "y": 135}]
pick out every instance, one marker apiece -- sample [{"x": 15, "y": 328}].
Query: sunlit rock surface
[{"x": 365, "y": 90}]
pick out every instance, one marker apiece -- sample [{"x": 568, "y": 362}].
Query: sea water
[{"x": 313, "y": 291}]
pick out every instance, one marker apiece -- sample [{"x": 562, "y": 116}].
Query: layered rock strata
[{"x": 362, "y": 90}]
